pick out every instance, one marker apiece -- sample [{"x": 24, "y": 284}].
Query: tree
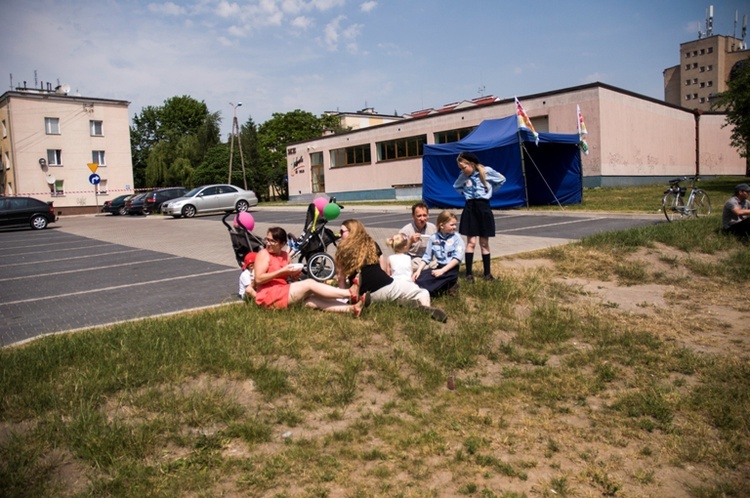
[
  {"x": 169, "y": 142},
  {"x": 736, "y": 103},
  {"x": 273, "y": 137}
]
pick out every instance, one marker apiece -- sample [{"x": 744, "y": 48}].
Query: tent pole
[{"x": 523, "y": 168}]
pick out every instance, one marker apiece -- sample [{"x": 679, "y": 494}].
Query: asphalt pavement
[{"x": 95, "y": 270}]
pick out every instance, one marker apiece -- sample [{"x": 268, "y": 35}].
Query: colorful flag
[
  {"x": 582, "y": 132},
  {"x": 524, "y": 122}
]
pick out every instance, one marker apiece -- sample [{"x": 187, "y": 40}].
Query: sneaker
[
  {"x": 437, "y": 314},
  {"x": 470, "y": 279},
  {"x": 489, "y": 278}
]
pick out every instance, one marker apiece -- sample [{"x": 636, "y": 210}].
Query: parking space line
[
  {"x": 115, "y": 287},
  {"x": 532, "y": 227},
  {"x": 59, "y": 250},
  {"x": 74, "y": 257},
  {"x": 97, "y": 268}
]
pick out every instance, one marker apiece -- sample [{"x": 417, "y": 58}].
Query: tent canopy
[{"x": 549, "y": 171}]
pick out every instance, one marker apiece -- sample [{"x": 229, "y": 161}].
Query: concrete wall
[{"x": 632, "y": 140}]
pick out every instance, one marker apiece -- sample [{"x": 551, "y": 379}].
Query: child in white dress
[{"x": 398, "y": 265}]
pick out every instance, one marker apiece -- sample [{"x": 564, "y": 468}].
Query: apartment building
[
  {"x": 72, "y": 150},
  {"x": 705, "y": 67}
]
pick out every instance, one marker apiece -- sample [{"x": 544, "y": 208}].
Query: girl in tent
[{"x": 477, "y": 183}]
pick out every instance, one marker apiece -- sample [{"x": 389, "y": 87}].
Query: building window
[
  {"x": 687, "y": 55},
  {"x": 5, "y": 130},
  {"x": 710, "y": 83},
  {"x": 444, "y": 137},
  {"x": 6, "y": 160},
  {"x": 54, "y": 157},
  {"x": 52, "y": 126},
  {"x": 687, "y": 82},
  {"x": 710, "y": 67},
  {"x": 101, "y": 187},
  {"x": 57, "y": 188},
  {"x": 687, "y": 67},
  {"x": 695, "y": 81},
  {"x": 695, "y": 65},
  {"x": 695, "y": 96},
  {"x": 703, "y": 85},
  {"x": 687, "y": 97},
  {"x": 703, "y": 69},
  {"x": 695, "y": 53},
  {"x": 703, "y": 100},
  {"x": 710, "y": 50},
  {"x": 317, "y": 172},
  {"x": 351, "y": 156},
  {"x": 97, "y": 156},
  {"x": 402, "y": 148},
  {"x": 96, "y": 128},
  {"x": 703, "y": 51}
]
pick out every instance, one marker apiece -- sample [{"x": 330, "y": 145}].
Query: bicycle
[{"x": 676, "y": 208}]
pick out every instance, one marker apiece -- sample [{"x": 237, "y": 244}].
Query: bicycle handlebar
[{"x": 684, "y": 179}]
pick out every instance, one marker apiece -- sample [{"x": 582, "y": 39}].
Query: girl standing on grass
[
  {"x": 447, "y": 247},
  {"x": 398, "y": 265},
  {"x": 477, "y": 183}
]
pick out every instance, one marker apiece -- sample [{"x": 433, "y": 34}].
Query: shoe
[
  {"x": 437, "y": 314},
  {"x": 489, "y": 278},
  {"x": 453, "y": 290},
  {"x": 408, "y": 303},
  {"x": 354, "y": 292},
  {"x": 469, "y": 279}
]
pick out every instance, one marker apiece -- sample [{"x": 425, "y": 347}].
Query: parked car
[
  {"x": 210, "y": 199},
  {"x": 117, "y": 205},
  {"x": 154, "y": 199},
  {"x": 134, "y": 205},
  {"x": 19, "y": 211}
]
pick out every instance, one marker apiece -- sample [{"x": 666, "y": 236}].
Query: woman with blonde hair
[
  {"x": 358, "y": 258},
  {"x": 447, "y": 248},
  {"x": 477, "y": 183}
]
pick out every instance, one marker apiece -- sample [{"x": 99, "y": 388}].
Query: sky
[{"x": 396, "y": 56}]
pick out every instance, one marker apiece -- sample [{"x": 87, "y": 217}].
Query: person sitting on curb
[{"x": 735, "y": 218}]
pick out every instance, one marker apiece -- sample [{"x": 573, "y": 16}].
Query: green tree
[
  {"x": 273, "y": 137},
  {"x": 736, "y": 103},
  {"x": 213, "y": 168},
  {"x": 169, "y": 142}
]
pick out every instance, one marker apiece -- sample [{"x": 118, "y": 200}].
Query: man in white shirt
[{"x": 418, "y": 231}]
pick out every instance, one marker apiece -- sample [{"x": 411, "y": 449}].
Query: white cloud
[
  {"x": 368, "y": 6},
  {"x": 302, "y": 22},
  {"x": 226, "y": 9},
  {"x": 168, "y": 9}
]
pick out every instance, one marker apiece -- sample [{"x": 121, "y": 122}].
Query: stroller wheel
[{"x": 321, "y": 267}]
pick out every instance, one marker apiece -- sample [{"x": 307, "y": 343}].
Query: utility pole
[{"x": 236, "y": 132}]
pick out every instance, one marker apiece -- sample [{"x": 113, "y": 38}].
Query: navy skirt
[
  {"x": 437, "y": 285},
  {"x": 477, "y": 219}
]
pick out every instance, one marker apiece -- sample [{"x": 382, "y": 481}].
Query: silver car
[{"x": 210, "y": 199}]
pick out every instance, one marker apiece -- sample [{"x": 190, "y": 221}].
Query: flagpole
[{"x": 523, "y": 166}]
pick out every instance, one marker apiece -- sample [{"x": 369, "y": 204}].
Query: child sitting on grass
[
  {"x": 398, "y": 265},
  {"x": 247, "y": 290}
]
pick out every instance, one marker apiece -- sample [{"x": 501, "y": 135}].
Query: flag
[
  {"x": 582, "y": 132},
  {"x": 524, "y": 122}
]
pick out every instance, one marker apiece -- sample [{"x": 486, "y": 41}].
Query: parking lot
[{"x": 88, "y": 271}]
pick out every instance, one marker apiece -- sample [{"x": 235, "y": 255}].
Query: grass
[{"x": 555, "y": 394}]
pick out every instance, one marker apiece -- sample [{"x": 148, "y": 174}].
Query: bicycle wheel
[
  {"x": 321, "y": 266},
  {"x": 701, "y": 205},
  {"x": 672, "y": 206}
]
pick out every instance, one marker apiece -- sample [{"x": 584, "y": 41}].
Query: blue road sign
[{"x": 94, "y": 179}]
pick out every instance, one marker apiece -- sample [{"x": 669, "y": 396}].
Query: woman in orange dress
[{"x": 272, "y": 269}]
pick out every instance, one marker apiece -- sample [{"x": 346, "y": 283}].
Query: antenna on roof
[
  {"x": 481, "y": 91},
  {"x": 710, "y": 21}
]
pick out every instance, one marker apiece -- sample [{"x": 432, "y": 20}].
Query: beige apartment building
[
  {"x": 704, "y": 69},
  {"x": 55, "y": 146},
  {"x": 632, "y": 140}
]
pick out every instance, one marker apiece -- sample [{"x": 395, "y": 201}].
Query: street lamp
[{"x": 236, "y": 131}]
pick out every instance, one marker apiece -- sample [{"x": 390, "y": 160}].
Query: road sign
[
  {"x": 94, "y": 179},
  {"x": 93, "y": 167}
]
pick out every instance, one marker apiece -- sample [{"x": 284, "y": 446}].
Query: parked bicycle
[{"x": 675, "y": 206}]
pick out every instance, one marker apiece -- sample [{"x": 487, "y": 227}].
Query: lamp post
[{"x": 236, "y": 131}]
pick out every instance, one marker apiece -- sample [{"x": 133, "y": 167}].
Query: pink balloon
[
  {"x": 320, "y": 203},
  {"x": 246, "y": 220}
]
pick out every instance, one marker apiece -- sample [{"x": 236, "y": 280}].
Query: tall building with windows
[
  {"x": 51, "y": 141},
  {"x": 704, "y": 69}
]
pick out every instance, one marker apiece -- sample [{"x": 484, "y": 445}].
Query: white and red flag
[
  {"x": 524, "y": 122},
  {"x": 582, "y": 132}
]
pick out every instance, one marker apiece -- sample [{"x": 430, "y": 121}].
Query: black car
[
  {"x": 154, "y": 199},
  {"x": 116, "y": 205},
  {"x": 134, "y": 205},
  {"x": 19, "y": 211}
]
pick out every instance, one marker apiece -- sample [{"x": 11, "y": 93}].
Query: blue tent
[{"x": 549, "y": 171}]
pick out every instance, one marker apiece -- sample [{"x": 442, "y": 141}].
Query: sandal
[{"x": 354, "y": 292}]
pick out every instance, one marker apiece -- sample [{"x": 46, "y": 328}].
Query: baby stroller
[
  {"x": 311, "y": 245},
  {"x": 243, "y": 240}
]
